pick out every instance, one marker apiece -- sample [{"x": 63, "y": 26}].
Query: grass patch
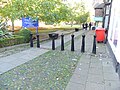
[{"x": 48, "y": 28}]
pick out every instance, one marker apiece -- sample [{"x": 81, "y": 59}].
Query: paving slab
[
  {"x": 85, "y": 59},
  {"x": 109, "y": 69},
  {"x": 96, "y": 60},
  {"x": 94, "y": 86},
  {"x": 8, "y": 59},
  {"x": 95, "y": 78},
  {"x": 111, "y": 76},
  {"x": 83, "y": 66},
  {"x": 96, "y": 71},
  {"x": 80, "y": 71},
  {"x": 96, "y": 65},
  {"x": 112, "y": 85},
  {"x": 107, "y": 63},
  {"x": 75, "y": 86},
  {"x": 5, "y": 67},
  {"x": 79, "y": 78},
  {"x": 19, "y": 62}
]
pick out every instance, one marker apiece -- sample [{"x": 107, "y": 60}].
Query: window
[{"x": 107, "y": 9}]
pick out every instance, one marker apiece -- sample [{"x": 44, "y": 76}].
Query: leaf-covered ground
[{"x": 50, "y": 71}]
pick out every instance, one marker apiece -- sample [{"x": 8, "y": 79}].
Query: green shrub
[
  {"x": 26, "y": 34},
  {"x": 14, "y": 40}
]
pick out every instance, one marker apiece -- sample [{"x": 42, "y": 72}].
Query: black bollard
[
  {"x": 117, "y": 67},
  {"x": 94, "y": 45},
  {"x": 83, "y": 44},
  {"x": 31, "y": 40},
  {"x": 106, "y": 32},
  {"x": 38, "y": 41},
  {"x": 72, "y": 43},
  {"x": 53, "y": 44},
  {"x": 62, "y": 42}
]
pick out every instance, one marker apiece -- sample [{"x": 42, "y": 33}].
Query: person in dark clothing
[
  {"x": 90, "y": 24},
  {"x": 83, "y": 26},
  {"x": 86, "y": 25}
]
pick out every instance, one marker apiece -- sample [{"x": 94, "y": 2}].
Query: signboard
[
  {"x": 29, "y": 22},
  {"x": 98, "y": 19}
]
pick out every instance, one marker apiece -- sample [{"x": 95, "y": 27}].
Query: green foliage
[
  {"x": 65, "y": 12},
  {"x": 49, "y": 23},
  {"x": 82, "y": 18},
  {"x": 4, "y": 33},
  {"x": 11, "y": 11},
  {"x": 79, "y": 13},
  {"x": 48, "y": 11},
  {"x": 53, "y": 11},
  {"x": 11, "y": 41},
  {"x": 1, "y": 19},
  {"x": 26, "y": 34},
  {"x": 1, "y": 32}
]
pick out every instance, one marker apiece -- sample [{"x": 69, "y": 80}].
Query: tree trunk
[
  {"x": 80, "y": 25},
  {"x": 12, "y": 26},
  {"x": 71, "y": 24}
]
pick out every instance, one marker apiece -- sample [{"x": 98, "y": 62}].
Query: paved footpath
[
  {"x": 9, "y": 62},
  {"x": 94, "y": 72}
]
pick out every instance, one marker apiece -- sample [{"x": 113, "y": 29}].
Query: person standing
[
  {"x": 90, "y": 24},
  {"x": 86, "y": 25},
  {"x": 83, "y": 27}
]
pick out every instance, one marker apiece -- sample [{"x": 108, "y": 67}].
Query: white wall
[{"x": 114, "y": 29}]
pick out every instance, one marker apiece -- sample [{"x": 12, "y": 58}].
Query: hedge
[
  {"x": 14, "y": 40},
  {"x": 25, "y": 33}
]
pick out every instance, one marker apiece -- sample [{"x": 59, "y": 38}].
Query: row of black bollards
[
  {"x": 31, "y": 40},
  {"x": 82, "y": 46},
  {"x": 62, "y": 43}
]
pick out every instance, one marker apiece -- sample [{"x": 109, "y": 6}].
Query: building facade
[
  {"x": 99, "y": 13},
  {"x": 112, "y": 23},
  {"x": 107, "y": 13}
]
